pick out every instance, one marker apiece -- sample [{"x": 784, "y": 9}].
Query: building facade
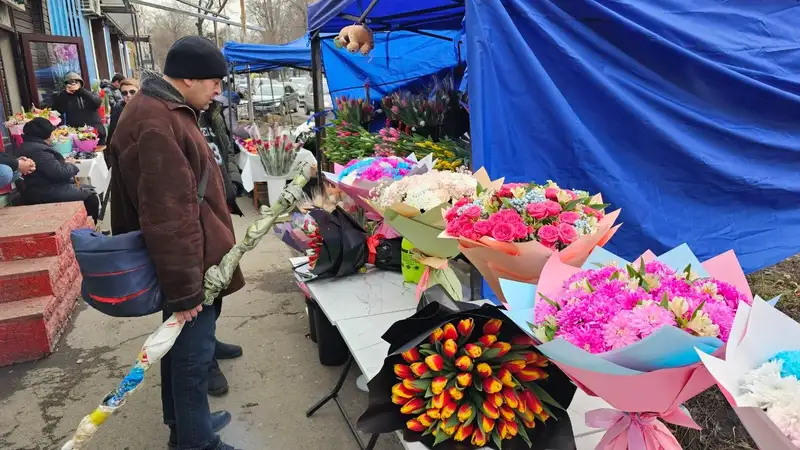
[{"x": 43, "y": 40}]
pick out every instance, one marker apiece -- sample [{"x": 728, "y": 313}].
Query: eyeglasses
[{"x": 127, "y": 93}]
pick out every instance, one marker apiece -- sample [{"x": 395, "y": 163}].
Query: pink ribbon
[
  {"x": 423, "y": 282},
  {"x": 631, "y": 431}
]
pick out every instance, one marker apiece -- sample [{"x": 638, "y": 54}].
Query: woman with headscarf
[
  {"x": 79, "y": 106},
  {"x": 54, "y": 178}
]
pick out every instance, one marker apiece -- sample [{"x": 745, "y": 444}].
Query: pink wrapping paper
[{"x": 523, "y": 261}]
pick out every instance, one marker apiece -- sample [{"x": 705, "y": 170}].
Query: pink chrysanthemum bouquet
[{"x": 627, "y": 333}]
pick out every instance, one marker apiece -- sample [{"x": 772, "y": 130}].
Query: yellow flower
[
  {"x": 449, "y": 154},
  {"x": 679, "y": 306},
  {"x": 518, "y": 192}
]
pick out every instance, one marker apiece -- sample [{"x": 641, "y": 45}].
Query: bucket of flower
[
  {"x": 15, "y": 123},
  {"x": 277, "y": 154},
  {"x": 86, "y": 139},
  {"x": 468, "y": 378},
  {"x": 627, "y": 332},
  {"x": 62, "y": 140},
  {"x": 510, "y": 230},
  {"x": 413, "y": 207}
]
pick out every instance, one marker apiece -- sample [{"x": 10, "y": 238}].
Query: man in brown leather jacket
[{"x": 161, "y": 157}]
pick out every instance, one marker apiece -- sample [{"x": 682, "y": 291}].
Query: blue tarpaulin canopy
[
  {"x": 400, "y": 59},
  {"x": 684, "y": 113},
  {"x": 261, "y": 57},
  {"x": 333, "y": 15}
]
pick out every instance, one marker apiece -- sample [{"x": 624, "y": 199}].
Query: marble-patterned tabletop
[{"x": 361, "y": 295}]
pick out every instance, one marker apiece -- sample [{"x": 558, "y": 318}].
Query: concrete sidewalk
[{"x": 271, "y": 386}]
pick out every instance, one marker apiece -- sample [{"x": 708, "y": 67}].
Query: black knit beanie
[
  {"x": 39, "y": 128},
  {"x": 195, "y": 58}
]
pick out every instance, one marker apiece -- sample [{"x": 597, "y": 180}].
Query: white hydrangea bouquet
[{"x": 413, "y": 206}]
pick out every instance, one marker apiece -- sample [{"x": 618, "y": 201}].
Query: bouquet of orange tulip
[{"x": 474, "y": 381}]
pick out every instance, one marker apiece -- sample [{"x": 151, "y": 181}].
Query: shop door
[{"x": 48, "y": 59}]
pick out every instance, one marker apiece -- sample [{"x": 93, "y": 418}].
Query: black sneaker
[
  {"x": 224, "y": 446},
  {"x": 217, "y": 383},
  {"x": 219, "y": 420},
  {"x": 227, "y": 351}
]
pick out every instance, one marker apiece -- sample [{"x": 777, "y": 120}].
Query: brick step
[
  {"x": 30, "y": 278},
  {"x": 40, "y": 230},
  {"x": 30, "y": 328}
]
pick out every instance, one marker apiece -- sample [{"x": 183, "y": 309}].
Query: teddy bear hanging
[{"x": 355, "y": 38}]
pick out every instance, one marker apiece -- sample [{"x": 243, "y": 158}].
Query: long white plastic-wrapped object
[{"x": 161, "y": 341}]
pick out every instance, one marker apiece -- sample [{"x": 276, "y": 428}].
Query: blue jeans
[
  {"x": 184, "y": 383},
  {"x": 7, "y": 175}
]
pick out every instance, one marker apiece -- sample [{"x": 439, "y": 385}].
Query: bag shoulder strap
[{"x": 202, "y": 185}]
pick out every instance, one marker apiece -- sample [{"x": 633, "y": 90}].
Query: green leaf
[
  {"x": 496, "y": 439},
  {"x": 598, "y": 265},
  {"x": 600, "y": 206},
  {"x": 428, "y": 392},
  {"x": 472, "y": 417},
  {"x": 511, "y": 356},
  {"x": 475, "y": 397},
  {"x": 426, "y": 375},
  {"x": 631, "y": 271},
  {"x": 697, "y": 310},
  {"x": 426, "y": 347},
  {"x": 642, "y": 269},
  {"x": 477, "y": 383},
  {"x": 427, "y": 352},
  {"x": 543, "y": 395},
  {"x": 524, "y": 434},
  {"x": 549, "y": 412},
  {"x": 544, "y": 297},
  {"x": 572, "y": 204},
  {"x": 591, "y": 289},
  {"x": 421, "y": 384},
  {"x": 665, "y": 301},
  {"x": 490, "y": 353},
  {"x": 430, "y": 429},
  {"x": 479, "y": 189},
  {"x": 614, "y": 276},
  {"x": 453, "y": 420},
  {"x": 441, "y": 436},
  {"x": 688, "y": 271}
]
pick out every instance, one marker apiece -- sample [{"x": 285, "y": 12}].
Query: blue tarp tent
[
  {"x": 333, "y": 15},
  {"x": 261, "y": 57},
  {"x": 684, "y": 113},
  {"x": 400, "y": 58}
]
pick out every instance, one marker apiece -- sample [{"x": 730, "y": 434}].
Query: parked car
[
  {"x": 310, "y": 97},
  {"x": 277, "y": 99},
  {"x": 300, "y": 84}
]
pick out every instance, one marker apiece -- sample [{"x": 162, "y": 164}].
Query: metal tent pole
[{"x": 319, "y": 101}]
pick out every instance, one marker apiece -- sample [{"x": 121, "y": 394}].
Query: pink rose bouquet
[
  {"x": 510, "y": 230},
  {"x": 628, "y": 333}
]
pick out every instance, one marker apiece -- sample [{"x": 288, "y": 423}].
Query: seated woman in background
[{"x": 54, "y": 178}]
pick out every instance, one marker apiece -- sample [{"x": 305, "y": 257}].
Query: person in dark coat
[
  {"x": 161, "y": 156},
  {"x": 79, "y": 106},
  {"x": 54, "y": 178},
  {"x": 127, "y": 89},
  {"x": 215, "y": 128}
]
